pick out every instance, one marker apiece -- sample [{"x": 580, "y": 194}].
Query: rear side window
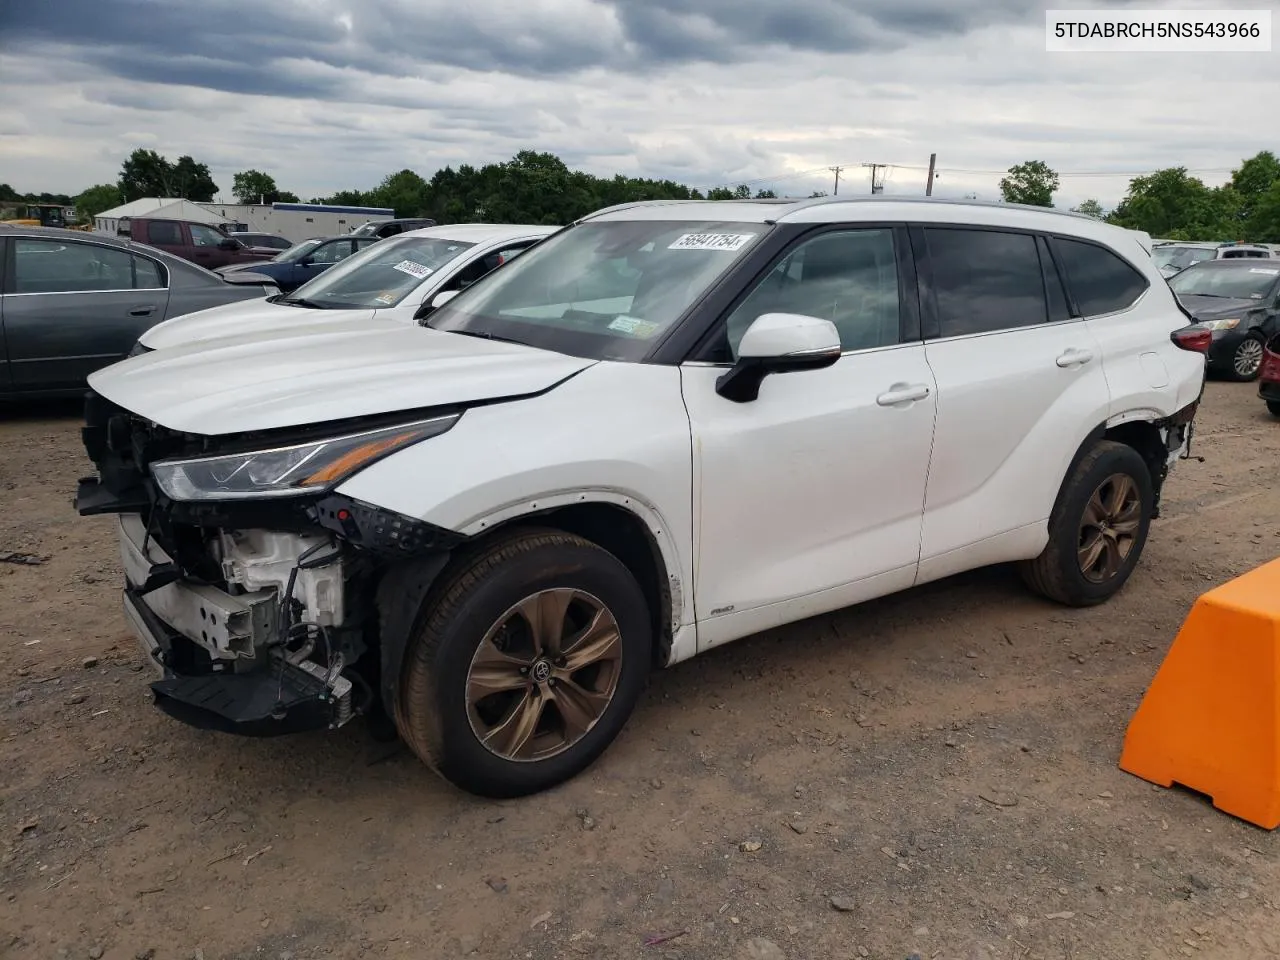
[
  {"x": 148, "y": 275},
  {"x": 1100, "y": 281},
  {"x": 163, "y": 233},
  {"x": 985, "y": 280}
]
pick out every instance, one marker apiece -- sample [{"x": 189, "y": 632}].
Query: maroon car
[{"x": 198, "y": 242}]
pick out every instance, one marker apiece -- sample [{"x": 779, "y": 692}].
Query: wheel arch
[
  {"x": 625, "y": 526},
  {"x": 1140, "y": 433}
]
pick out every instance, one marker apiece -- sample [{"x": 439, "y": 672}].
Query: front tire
[
  {"x": 1246, "y": 360},
  {"x": 1274, "y": 407},
  {"x": 1097, "y": 530},
  {"x": 526, "y": 665}
]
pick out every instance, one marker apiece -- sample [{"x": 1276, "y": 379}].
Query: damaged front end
[{"x": 252, "y": 587}]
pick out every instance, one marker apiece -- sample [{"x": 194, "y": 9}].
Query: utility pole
[
  {"x": 836, "y": 171},
  {"x": 877, "y": 185},
  {"x": 928, "y": 187}
]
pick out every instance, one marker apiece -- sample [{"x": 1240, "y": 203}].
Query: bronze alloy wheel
[
  {"x": 543, "y": 675},
  {"x": 1109, "y": 527}
]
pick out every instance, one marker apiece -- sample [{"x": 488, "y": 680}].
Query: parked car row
[
  {"x": 1172, "y": 257},
  {"x": 483, "y": 501}
]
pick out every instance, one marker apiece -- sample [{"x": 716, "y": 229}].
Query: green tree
[
  {"x": 403, "y": 191},
  {"x": 254, "y": 186},
  {"x": 1032, "y": 183},
  {"x": 287, "y": 196},
  {"x": 96, "y": 199},
  {"x": 1090, "y": 208},
  {"x": 7, "y": 193},
  {"x": 192, "y": 180},
  {"x": 766, "y": 195},
  {"x": 1170, "y": 203},
  {"x": 144, "y": 174},
  {"x": 1264, "y": 221}
]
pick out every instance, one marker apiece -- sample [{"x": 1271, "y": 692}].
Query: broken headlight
[{"x": 289, "y": 471}]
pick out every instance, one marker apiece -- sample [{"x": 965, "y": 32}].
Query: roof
[
  {"x": 171, "y": 208},
  {"x": 87, "y": 236},
  {"x": 875, "y": 209},
  {"x": 481, "y": 232}
]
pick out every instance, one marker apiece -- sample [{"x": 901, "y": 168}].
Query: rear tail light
[
  {"x": 1195, "y": 338},
  {"x": 1270, "y": 365}
]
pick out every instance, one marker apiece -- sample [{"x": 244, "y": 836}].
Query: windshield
[
  {"x": 607, "y": 290},
  {"x": 296, "y": 251},
  {"x": 1180, "y": 257},
  {"x": 1236, "y": 282},
  {"x": 381, "y": 275},
  {"x": 364, "y": 230}
]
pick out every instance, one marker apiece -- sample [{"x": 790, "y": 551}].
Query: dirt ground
[{"x": 862, "y": 751}]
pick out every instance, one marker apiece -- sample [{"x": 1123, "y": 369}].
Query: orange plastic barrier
[{"x": 1210, "y": 720}]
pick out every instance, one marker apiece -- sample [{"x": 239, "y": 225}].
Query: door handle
[
  {"x": 142, "y": 311},
  {"x": 901, "y": 393},
  {"x": 1074, "y": 357}
]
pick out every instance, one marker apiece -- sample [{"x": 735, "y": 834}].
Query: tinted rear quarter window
[
  {"x": 985, "y": 280},
  {"x": 164, "y": 233},
  {"x": 1100, "y": 281}
]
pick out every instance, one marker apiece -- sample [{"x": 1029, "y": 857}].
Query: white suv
[{"x": 668, "y": 426}]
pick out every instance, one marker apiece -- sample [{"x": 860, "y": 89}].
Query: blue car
[{"x": 295, "y": 266}]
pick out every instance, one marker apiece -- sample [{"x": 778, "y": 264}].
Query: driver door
[{"x": 810, "y": 497}]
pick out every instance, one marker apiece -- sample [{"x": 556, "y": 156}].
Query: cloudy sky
[{"x": 330, "y": 94}]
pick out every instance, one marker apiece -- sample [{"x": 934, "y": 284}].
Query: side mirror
[
  {"x": 229, "y": 244},
  {"x": 306, "y": 261},
  {"x": 439, "y": 300},
  {"x": 778, "y": 343}
]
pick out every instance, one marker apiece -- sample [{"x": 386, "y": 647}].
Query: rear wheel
[
  {"x": 526, "y": 666},
  {"x": 1098, "y": 530},
  {"x": 1246, "y": 360}
]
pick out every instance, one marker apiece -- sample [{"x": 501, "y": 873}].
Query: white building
[
  {"x": 297, "y": 221},
  {"x": 156, "y": 208},
  {"x": 293, "y": 221}
]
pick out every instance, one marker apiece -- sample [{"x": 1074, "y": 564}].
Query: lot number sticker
[
  {"x": 634, "y": 326},
  {"x": 1268, "y": 271},
  {"x": 414, "y": 269},
  {"x": 730, "y": 242}
]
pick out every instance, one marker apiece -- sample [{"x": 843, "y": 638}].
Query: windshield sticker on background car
[
  {"x": 385, "y": 298},
  {"x": 414, "y": 269},
  {"x": 1268, "y": 271},
  {"x": 730, "y": 242},
  {"x": 634, "y": 326}
]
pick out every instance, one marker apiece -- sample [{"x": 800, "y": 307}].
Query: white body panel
[
  {"x": 813, "y": 487},
  {"x": 617, "y": 433},
  {"x": 260, "y": 382},
  {"x": 286, "y": 319},
  {"x": 1009, "y": 420}
]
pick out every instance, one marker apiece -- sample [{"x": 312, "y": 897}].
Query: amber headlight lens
[{"x": 289, "y": 471}]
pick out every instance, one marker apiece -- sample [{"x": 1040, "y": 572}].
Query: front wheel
[
  {"x": 1246, "y": 360},
  {"x": 1098, "y": 530},
  {"x": 1273, "y": 406},
  {"x": 526, "y": 666}
]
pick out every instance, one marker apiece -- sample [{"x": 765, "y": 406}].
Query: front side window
[
  {"x": 296, "y": 252},
  {"x": 849, "y": 277},
  {"x": 1100, "y": 281},
  {"x": 331, "y": 252},
  {"x": 1234, "y": 282},
  {"x": 605, "y": 289},
  {"x": 205, "y": 236},
  {"x": 985, "y": 280},
  {"x": 381, "y": 275},
  {"x": 55, "y": 266}
]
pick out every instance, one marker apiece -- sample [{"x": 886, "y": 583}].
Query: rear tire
[
  {"x": 493, "y": 696},
  {"x": 1274, "y": 407},
  {"x": 1097, "y": 530}
]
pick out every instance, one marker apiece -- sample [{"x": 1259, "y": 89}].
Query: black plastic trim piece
[{"x": 384, "y": 532}]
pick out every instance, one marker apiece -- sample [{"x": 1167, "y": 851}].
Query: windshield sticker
[
  {"x": 1266, "y": 271},
  {"x": 635, "y": 326},
  {"x": 414, "y": 269},
  {"x": 385, "y": 298},
  {"x": 730, "y": 242}
]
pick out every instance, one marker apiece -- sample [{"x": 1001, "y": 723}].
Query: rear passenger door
[
  {"x": 1020, "y": 384},
  {"x": 71, "y": 307},
  {"x": 167, "y": 235}
]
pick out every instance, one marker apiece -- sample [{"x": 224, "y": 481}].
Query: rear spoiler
[{"x": 1144, "y": 239}]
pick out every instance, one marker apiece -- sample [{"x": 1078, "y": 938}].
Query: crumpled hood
[
  {"x": 327, "y": 372},
  {"x": 244, "y": 317}
]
